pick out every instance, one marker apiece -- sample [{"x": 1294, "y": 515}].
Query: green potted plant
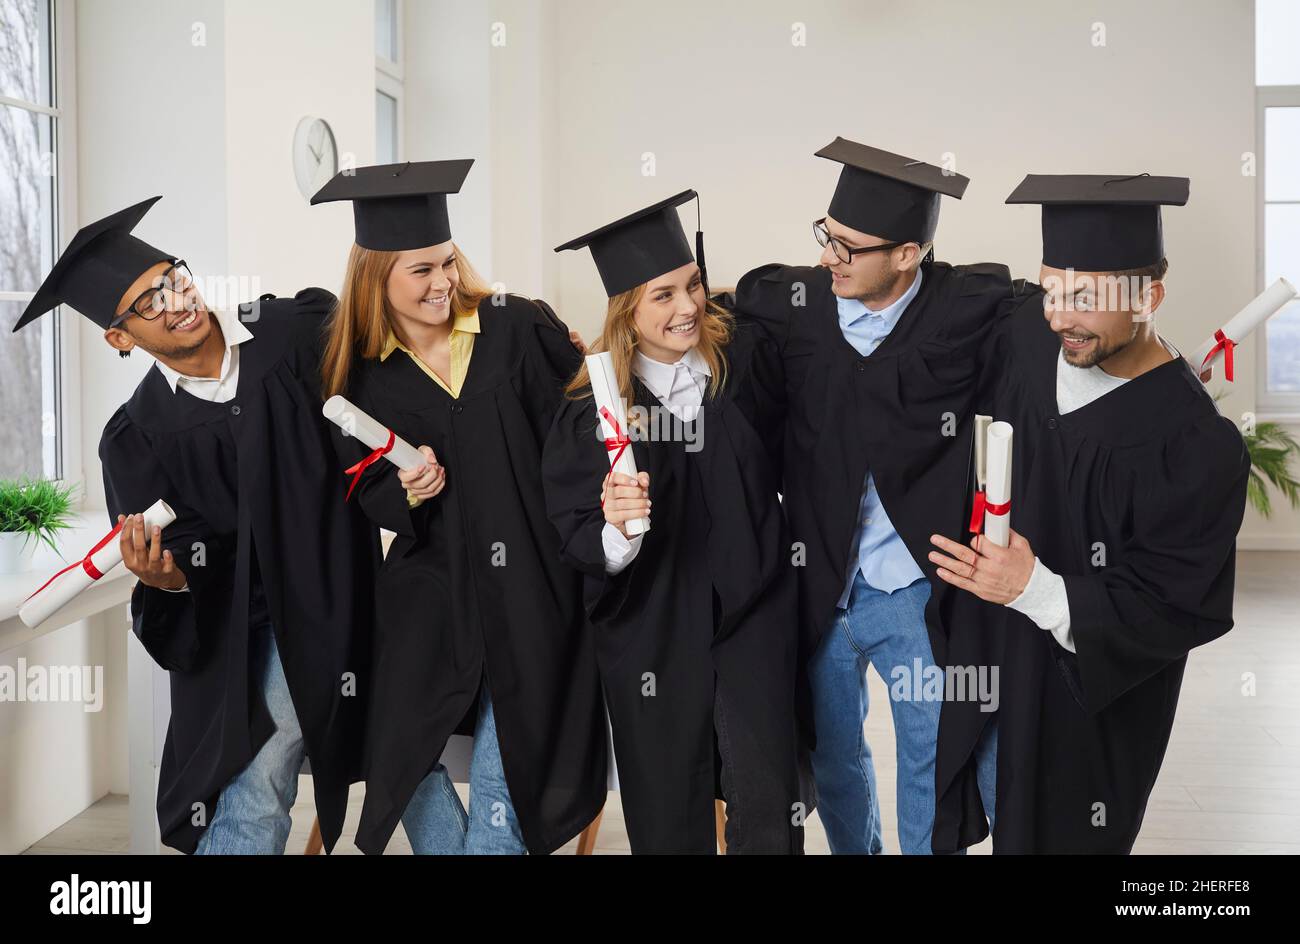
[
  {"x": 1271, "y": 449},
  {"x": 31, "y": 511}
]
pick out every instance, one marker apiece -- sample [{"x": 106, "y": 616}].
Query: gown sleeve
[
  {"x": 164, "y": 621},
  {"x": 760, "y": 390},
  {"x": 1172, "y": 590},
  {"x": 768, "y": 297},
  {"x": 574, "y": 463},
  {"x": 550, "y": 364},
  {"x": 382, "y": 496}
]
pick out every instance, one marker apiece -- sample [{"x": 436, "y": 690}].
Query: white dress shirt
[
  {"x": 681, "y": 387},
  {"x": 219, "y": 389}
]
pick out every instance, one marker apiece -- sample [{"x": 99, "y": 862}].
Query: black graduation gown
[
  {"x": 473, "y": 588},
  {"x": 251, "y": 480},
  {"x": 1151, "y": 476},
  {"x": 708, "y": 600},
  {"x": 906, "y": 413}
]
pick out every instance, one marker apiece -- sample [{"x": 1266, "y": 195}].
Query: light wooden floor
[{"x": 1230, "y": 782}]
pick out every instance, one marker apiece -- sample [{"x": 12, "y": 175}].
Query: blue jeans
[
  {"x": 435, "y": 820},
  {"x": 886, "y": 630},
  {"x": 252, "y": 814}
]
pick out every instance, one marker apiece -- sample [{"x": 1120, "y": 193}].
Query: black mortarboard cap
[
  {"x": 888, "y": 195},
  {"x": 97, "y": 268},
  {"x": 640, "y": 246},
  {"x": 398, "y": 206},
  {"x": 1101, "y": 222}
]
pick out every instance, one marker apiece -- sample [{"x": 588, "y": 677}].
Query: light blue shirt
[{"x": 883, "y": 558}]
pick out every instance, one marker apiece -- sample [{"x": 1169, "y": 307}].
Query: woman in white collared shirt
[{"x": 694, "y": 619}]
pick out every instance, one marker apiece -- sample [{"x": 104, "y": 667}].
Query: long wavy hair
[
  {"x": 361, "y": 320},
  {"x": 618, "y": 337}
]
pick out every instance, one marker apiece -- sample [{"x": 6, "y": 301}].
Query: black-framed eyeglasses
[
  {"x": 842, "y": 252},
  {"x": 152, "y": 302}
]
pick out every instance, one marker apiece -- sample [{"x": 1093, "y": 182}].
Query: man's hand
[
  {"x": 576, "y": 340},
  {"x": 992, "y": 573},
  {"x": 154, "y": 566}
]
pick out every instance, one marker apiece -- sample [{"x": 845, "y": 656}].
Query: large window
[
  {"x": 388, "y": 81},
  {"x": 34, "y": 121},
  {"x": 1277, "y": 75}
]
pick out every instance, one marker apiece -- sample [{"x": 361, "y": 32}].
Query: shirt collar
[
  {"x": 853, "y": 309},
  {"x": 465, "y": 324},
  {"x": 659, "y": 376},
  {"x": 233, "y": 332}
]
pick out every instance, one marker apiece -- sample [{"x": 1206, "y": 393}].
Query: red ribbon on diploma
[
  {"x": 356, "y": 470},
  {"x": 85, "y": 563},
  {"x": 982, "y": 504},
  {"x": 1225, "y": 344},
  {"x": 619, "y": 442}
]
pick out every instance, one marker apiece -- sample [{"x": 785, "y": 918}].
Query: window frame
[
  {"x": 390, "y": 80},
  {"x": 64, "y": 391},
  {"x": 1269, "y": 405}
]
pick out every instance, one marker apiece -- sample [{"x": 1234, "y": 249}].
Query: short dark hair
[{"x": 1155, "y": 272}]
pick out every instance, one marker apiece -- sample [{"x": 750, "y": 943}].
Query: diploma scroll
[
  {"x": 997, "y": 506},
  {"x": 60, "y": 589},
  {"x": 1220, "y": 346},
  {"x": 613, "y": 425},
  {"x": 383, "y": 442}
]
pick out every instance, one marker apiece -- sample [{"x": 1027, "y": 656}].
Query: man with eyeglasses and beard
[
  {"x": 881, "y": 348},
  {"x": 257, "y": 599}
]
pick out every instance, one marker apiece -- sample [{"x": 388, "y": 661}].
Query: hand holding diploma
[
  {"x": 426, "y": 481},
  {"x": 992, "y": 573},
  {"x": 614, "y": 431},
  {"x": 146, "y": 559},
  {"x": 625, "y": 499},
  {"x": 383, "y": 442},
  {"x": 125, "y": 542}
]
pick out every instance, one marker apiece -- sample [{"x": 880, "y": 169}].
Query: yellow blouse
[{"x": 463, "y": 330}]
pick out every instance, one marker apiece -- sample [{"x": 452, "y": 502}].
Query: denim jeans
[
  {"x": 886, "y": 630},
  {"x": 435, "y": 820},
  {"x": 252, "y": 814}
]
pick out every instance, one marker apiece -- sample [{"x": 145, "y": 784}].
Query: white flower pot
[{"x": 17, "y": 552}]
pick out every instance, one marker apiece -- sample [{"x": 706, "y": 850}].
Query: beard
[
  {"x": 1102, "y": 350},
  {"x": 179, "y": 351}
]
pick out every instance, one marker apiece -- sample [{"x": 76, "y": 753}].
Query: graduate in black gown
[
  {"x": 880, "y": 348},
  {"x": 257, "y": 598},
  {"x": 694, "y": 619},
  {"x": 1128, "y": 489},
  {"x": 479, "y": 627}
]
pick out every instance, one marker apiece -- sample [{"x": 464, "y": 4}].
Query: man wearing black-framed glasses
[
  {"x": 881, "y": 351},
  {"x": 257, "y": 598}
]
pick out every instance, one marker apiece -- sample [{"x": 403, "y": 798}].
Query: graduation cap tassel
[{"x": 699, "y": 248}]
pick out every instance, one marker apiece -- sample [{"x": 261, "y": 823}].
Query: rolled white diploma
[
  {"x": 604, "y": 388},
  {"x": 997, "y": 524},
  {"x": 60, "y": 589},
  {"x": 1241, "y": 325},
  {"x": 356, "y": 422}
]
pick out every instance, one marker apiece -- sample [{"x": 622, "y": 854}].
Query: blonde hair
[
  {"x": 361, "y": 320},
  {"x": 618, "y": 337}
]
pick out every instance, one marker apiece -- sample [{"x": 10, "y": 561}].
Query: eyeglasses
[
  {"x": 842, "y": 252},
  {"x": 175, "y": 282}
]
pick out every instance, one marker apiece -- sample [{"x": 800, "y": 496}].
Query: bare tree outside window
[{"x": 28, "y": 420}]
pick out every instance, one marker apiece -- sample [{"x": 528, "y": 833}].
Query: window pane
[
  {"x": 1277, "y": 33},
  {"x": 385, "y": 128},
  {"x": 25, "y": 50},
  {"x": 26, "y": 199},
  {"x": 1282, "y": 259},
  {"x": 27, "y": 388},
  {"x": 386, "y": 29},
  {"x": 1282, "y": 153}
]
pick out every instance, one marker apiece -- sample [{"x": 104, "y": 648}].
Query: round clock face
[{"x": 315, "y": 155}]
